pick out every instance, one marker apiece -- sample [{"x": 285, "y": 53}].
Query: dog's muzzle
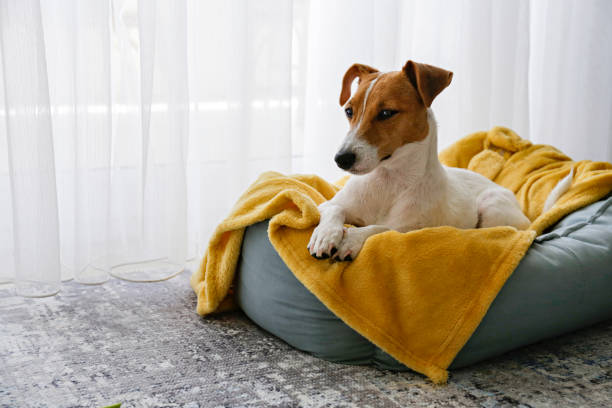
[{"x": 345, "y": 160}]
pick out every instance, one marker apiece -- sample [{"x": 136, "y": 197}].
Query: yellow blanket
[{"x": 419, "y": 295}]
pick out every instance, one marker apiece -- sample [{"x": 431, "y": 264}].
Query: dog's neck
[{"x": 416, "y": 162}]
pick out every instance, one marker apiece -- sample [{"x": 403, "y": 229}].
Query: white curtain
[{"x": 128, "y": 129}]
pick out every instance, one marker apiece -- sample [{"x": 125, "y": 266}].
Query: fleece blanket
[{"x": 418, "y": 295}]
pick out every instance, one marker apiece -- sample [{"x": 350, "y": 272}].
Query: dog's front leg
[
  {"x": 353, "y": 240},
  {"x": 327, "y": 236}
]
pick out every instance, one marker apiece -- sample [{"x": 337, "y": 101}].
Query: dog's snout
[{"x": 345, "y": 160}]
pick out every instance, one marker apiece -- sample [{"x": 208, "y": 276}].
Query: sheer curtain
[{"x": 128, "y": 129}]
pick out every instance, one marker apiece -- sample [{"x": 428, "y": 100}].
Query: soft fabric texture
[
  {"x": 420, "y": 295},
  {"x": 563, "y": 283},
  {"x": 530, "y": 172}
]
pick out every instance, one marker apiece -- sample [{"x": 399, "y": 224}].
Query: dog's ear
[
  {"x": 355, "y": 71},
  {"x": 428, "y": 80}
]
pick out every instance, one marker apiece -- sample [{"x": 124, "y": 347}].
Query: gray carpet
[{"x": 143, "y": 345}]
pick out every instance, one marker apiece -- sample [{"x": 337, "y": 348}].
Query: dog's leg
[
  {"x": 354, "y": 239},
  {"x": 327, "y": 236},
  {"x": 498, "y": 207}
]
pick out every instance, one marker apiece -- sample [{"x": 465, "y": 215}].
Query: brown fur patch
[
  {"x": 355, "y": 71},
  {"x": 392, "y": 91},
  {"x": 428, "y": 80}
]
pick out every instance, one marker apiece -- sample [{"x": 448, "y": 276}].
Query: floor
[{"x": 144, "y": 346}]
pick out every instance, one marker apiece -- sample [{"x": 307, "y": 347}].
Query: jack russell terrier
[{"x": 399, "y": 183}]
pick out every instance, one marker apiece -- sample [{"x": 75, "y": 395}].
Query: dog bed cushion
[
  {"x": 562, "y": 284},
  {"x": 419, "y": 296}
]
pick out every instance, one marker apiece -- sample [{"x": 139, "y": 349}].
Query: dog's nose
[{"x": 345, "y": 160}]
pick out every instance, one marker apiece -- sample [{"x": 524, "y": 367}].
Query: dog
[{"x": 398, "y": 183}]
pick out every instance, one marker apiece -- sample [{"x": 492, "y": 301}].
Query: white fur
[
  {"x": 366, "y": 155},
  {"x": 410, "y": 190},
  {"x": 560, "y": 189},
  {"x": 365, "y": 101}
]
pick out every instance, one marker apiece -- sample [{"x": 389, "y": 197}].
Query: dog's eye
[
  {"x": 349, "y": 112},
  {"x": 385, "y": 114}
]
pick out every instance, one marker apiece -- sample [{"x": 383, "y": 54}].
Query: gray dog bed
[{"x": 563, "y": 283}]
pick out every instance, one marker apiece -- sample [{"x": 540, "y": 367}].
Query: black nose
[{"x": 345, "y": 160}]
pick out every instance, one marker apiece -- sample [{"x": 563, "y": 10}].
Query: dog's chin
[
  {"x": 367, "y": 165},
  {"x": 360, "y": 170}
]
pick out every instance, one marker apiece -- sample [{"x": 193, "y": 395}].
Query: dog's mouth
[{"x": 359, "y": 172}]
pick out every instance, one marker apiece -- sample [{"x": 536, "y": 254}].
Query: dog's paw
[
  {"x": 351, "y": 244},
  {"x": 325, "y": 240}
]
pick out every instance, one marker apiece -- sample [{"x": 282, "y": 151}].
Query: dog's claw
[
  {"x": 324, "y": 241},
  {"x": 347, "y": 257}
]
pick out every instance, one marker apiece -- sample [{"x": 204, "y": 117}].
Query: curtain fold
[
  {"x": 151, "y": 198},
  {"x": 33, "y": 253},
  {"x": 128, "y": 128},
  {"x": 241, "y": 87},
  {"x": 570, "y": 77},
  {"x": 77, "y": 40}
]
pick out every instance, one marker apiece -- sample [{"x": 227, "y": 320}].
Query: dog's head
[{"x": 387, "y": 111}]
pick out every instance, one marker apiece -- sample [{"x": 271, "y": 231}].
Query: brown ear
[
  {"x": 428, "y": 80},
  {"x": 356, "y": 70}
]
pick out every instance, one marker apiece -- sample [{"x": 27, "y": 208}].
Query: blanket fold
[{"x": 420, "y": 295}]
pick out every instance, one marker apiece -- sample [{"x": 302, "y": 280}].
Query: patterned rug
[{"x": 144, "y": 346}]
